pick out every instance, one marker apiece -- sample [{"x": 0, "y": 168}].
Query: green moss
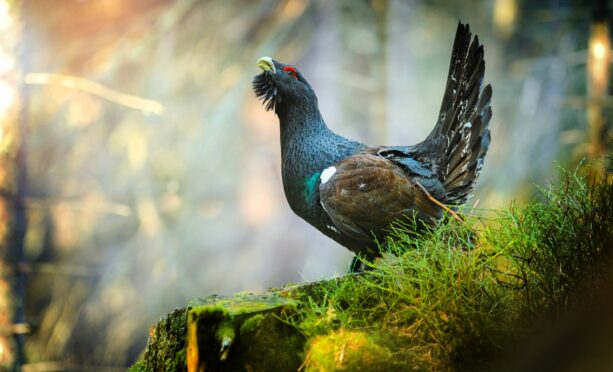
[
  {"x": 267, "y": 344},
  {"x": 209, "y": 311},
  {"x": 166, "y": 346},
  {"x": 251, "y": 324},
  {"x": 344, "y": 350},
  {"x": 239, "y": 303},
  {"x": 226, "y": 330},
  {"x": 180, "y": 358},
  {"x": 177, "y": 362},
  {"x": 138, "y": 367}
]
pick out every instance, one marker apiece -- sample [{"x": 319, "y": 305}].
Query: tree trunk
[
  {"x": 12, "y": 184},
  {"x": 598, "y": 68}
]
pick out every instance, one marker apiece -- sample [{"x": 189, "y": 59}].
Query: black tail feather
[{"x": 458, "y": 143}]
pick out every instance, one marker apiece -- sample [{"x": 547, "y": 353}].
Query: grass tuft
[{"x": 461, "y": 293}]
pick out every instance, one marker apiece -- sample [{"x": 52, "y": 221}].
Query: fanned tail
[{"x": 458, "y": 143}]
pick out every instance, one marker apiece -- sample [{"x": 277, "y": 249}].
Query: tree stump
[{"x": 244, "y": 332}]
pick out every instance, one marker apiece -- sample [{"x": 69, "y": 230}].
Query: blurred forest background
[{"x": 138, "y": 171}]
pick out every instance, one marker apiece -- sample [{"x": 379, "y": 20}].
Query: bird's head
[{"x": 281, "y": 85}]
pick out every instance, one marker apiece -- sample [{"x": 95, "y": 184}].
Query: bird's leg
[
  {"x": 358, "y": 266},
  {"x": 441, "y": 205}
]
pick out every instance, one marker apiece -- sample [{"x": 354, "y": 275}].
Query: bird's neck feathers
[
  {"x": 301, "y": 122},
  {"x": 308, "y": 147}
]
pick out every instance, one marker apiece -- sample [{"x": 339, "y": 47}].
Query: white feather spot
[
  {"x": 361, "y": 186},
  {"x": 333, "y": 229},
  {"x": 327, "y": 174},
  {"x": 468, "y": 125}
]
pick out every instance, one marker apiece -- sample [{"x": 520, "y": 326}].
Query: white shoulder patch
[{"x": 327, "y": 174}]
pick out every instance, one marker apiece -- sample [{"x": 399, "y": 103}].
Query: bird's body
[{"x": 352, "y": 192}]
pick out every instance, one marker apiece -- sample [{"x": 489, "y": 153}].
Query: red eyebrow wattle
[{"x": 291, "y": 70}]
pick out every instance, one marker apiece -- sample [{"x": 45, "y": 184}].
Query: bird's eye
[{"x": 291, "y": 71}]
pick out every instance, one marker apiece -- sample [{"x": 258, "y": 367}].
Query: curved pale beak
[{"x": 266, "y": 64}]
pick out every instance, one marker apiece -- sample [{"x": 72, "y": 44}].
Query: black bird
[{"x": 352, "y": 192}]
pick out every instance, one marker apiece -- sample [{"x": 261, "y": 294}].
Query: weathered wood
[{"x": 244, "y": 332}]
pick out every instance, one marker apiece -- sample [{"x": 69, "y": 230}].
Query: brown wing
[{"x": 364, "y": 193}]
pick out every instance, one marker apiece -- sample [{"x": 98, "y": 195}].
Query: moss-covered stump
[
  {"x": 242, "y": 333},
  {"x": 166, "y": 345},
  {"x": 239, "y": 333}
]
